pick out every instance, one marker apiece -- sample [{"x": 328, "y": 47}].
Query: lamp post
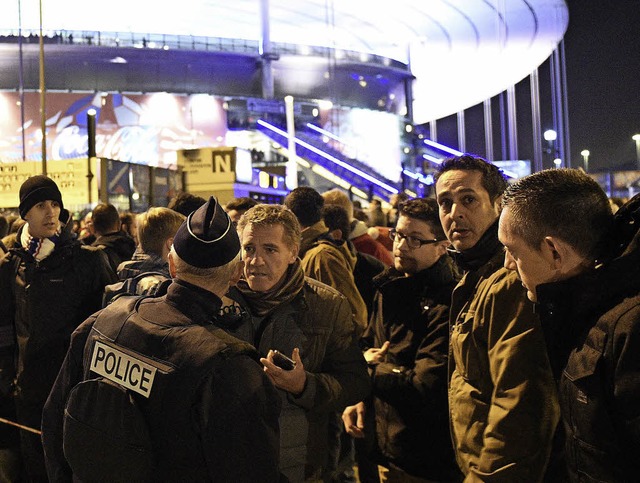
[
  {"x": 91, "y": 141},
  {"x": 585, "y": 157},
  {"x": 636, "y": 138},
  {"x": 550, "y": 136}
]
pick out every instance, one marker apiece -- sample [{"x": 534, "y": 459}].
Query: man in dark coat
[
  {"x": 118, "y": 246},
  {"x": 49, "y": 283},
  {"x": 407, "y": 344},
  {"x": 211, "y": 412},
  {"x": 581, "y": 266}
]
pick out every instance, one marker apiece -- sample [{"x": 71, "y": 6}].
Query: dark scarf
[
  {"x": 476, "y": 256},
  {"x": 261, "y": 303}
]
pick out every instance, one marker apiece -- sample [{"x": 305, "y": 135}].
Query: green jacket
[
  {"x": 332, "y": 263},
  {"x": 502, "y": 398}
]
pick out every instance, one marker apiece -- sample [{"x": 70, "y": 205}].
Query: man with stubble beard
[{"x": 502, "y": 400}]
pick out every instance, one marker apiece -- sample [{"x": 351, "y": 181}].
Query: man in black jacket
[
  {"x": 407, "y": 343},
  {"x": 210, "y": 410},
  {"x": 118, "y": 246},
  {"x": 581, "y": 266},
  {"x": 49, "y": 283}
]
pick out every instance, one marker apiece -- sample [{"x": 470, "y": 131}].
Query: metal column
[
  {"x": 535, "y": 122},
  {"x": 488, "y": 130}
]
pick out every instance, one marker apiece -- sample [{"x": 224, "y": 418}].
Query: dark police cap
[{"x": 207, "y": 238}]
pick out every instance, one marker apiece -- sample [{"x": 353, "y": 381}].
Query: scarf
[
  {"x": 261, "y": 303},
  {"x": 481, "y": 252},
  {"x": 39, "y": 248}
]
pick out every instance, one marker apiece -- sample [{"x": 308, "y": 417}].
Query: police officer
[{"x": 210, "y": 410}]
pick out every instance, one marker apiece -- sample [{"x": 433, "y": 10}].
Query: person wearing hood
[
  {"x": 503, "y": 404},
  {"x": 580, "y": 265},
  {"x": 324, "y": 259},
  {"x": 358, "y": 234},
  {"x": 49, "y": 283},
  {"x": 118, "y": 246}
]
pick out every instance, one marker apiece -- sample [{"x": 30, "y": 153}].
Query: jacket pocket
[{"x": 464, "y": 347}]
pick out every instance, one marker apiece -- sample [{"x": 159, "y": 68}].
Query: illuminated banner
[
  {"x": 143, "y": 129},
  {"x": 70, "y": 175}
]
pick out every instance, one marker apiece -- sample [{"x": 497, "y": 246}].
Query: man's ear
[
  {"x": 562, "y": 255},
  {"x": 336, "y": 234},
  {"x": 237, "y": 274},
  {"x": 294, "y": 254},
  {"x": 172, "y": 266},
  {"x": 497, "y": 205}
]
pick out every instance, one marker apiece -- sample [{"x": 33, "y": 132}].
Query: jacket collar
[
  {"x": 199, "y": 305},
  {"x": 481, "y": 253}
]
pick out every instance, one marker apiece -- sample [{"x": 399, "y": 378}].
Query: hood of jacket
[
  {"x": 119, "y": 242},
  {"x": 358, "y": 228}
]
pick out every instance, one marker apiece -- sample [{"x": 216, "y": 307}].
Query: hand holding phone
[{"x": 282, "y": 361}]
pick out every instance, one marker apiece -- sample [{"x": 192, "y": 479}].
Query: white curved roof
[{"x": 460, "y": 51}]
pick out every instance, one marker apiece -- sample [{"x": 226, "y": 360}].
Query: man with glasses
[
  {"x": 407, "y": 343},
  {"x": 502, "y": 398}
]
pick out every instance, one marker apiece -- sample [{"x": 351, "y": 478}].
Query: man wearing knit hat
[
  {"x": 49, "y": 283},
  {"x": 210, "y": 409}
]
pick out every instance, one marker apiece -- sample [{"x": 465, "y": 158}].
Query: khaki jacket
[
  {"x": 502, "y": 397},
  {"x": 332, "y": 263}
]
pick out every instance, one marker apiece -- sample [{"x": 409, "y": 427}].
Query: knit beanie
[{"x": 36, "y": 189}]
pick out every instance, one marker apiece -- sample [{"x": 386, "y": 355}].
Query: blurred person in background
[{"x": 118, "y": 246}]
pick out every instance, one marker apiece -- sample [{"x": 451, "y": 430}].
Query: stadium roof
[{"x": 460, "y": 51}]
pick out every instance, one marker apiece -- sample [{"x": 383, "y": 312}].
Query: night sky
[{"x": 602, "y": 47}]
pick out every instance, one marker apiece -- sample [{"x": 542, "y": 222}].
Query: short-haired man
[
  {"x": 186, "y": 203},
  {"x": 302, "y": 318},
  {"x": 118, "y": 246},
  {"x": 502, "y": 397},
  {"x": 211, "y": 412},
  {"x": 581, "y": 266},
  {"x": 407, "y": 343},
  {"x": 323, "y": 258},
  {"x": 237, "y": 206},
  {"x": 49, "y": 283},
  {"x": 148, "y": 270}
]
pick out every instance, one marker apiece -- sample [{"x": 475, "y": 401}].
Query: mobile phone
[{"x": 282, "y": 361}]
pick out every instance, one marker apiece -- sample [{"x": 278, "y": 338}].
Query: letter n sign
[{"x": 224, "y": 162}]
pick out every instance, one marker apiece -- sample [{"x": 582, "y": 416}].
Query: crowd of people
[{"x": 487, "y": 334}]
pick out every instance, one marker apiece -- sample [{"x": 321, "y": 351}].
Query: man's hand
[
  {"x": 376, "y": 355},
  {"x": 353, "y": 420},
  {"x": 292, "y": 381}
]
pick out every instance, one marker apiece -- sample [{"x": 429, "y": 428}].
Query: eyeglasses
[{"x": 412, "y": 241}]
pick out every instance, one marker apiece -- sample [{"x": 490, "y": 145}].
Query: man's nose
[{"x": 509, "y": 262}]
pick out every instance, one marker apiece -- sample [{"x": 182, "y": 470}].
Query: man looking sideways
[{"x": 502, "y": 398}]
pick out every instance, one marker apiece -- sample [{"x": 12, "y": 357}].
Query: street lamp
[
  {"x": 550, "y": 136},
  {"x": 557, "y": 162},
  {"x": 585, "y": 156},
  {"x": 636, "y": 138}
]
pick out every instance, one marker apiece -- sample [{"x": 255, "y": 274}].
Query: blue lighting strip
[
  {"x": 428, "y": 180},
  {"x": 333, "y": 159},
  {"x": 324, "y": 133},
  {"x": 433, "y": 159},
  {"x": 442, "y": 147}
]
